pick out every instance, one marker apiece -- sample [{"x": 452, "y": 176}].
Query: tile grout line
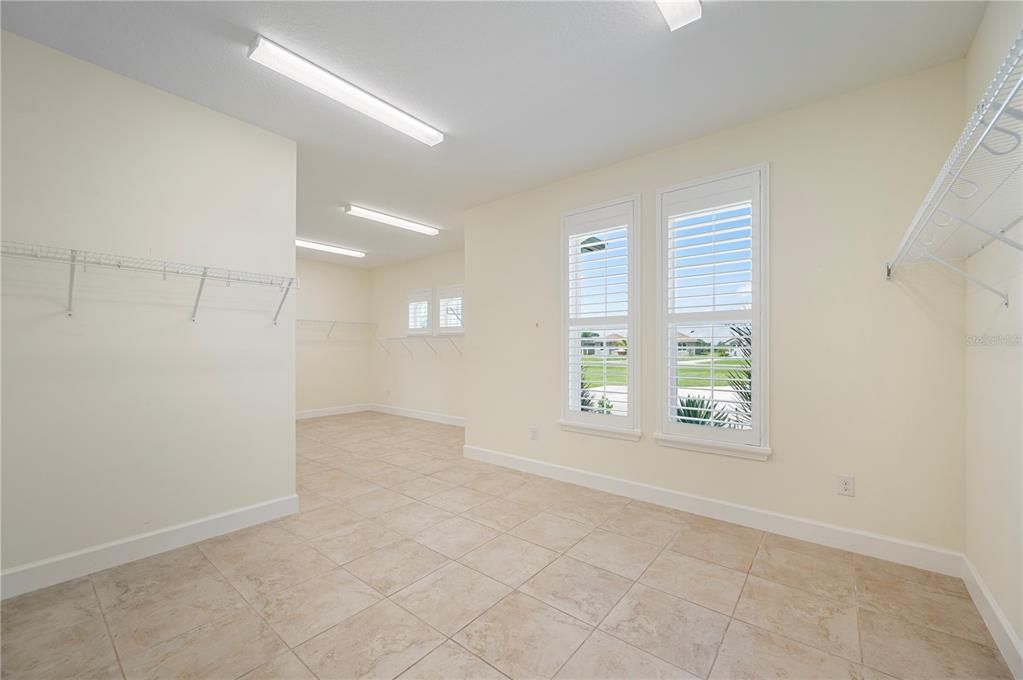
[
  {"x": 731, "y": 617},
  {"x": 398, "y": 438},
  {"x": 106, "y": 625},
  {"x": 217, "y": 619},
  {"x": 251, "y": 608},
  {"x": 617, "y": 602}
]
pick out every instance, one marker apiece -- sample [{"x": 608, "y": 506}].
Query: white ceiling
[{"x": 525, "y": 92}]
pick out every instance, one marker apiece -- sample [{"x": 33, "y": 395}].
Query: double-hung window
[
  {"x": 449, "y": 310},
  {"x": 600, "y": 343},
  {"x": 713, "y": 314},
  {"x": 419, "y": 311}
]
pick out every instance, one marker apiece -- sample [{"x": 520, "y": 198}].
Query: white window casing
[
  {"x": 600, "y": 311},
  {"x": 712, "y": 315},
  {"x": 450, "y": 310},
  {"x": 419, "y": 313}
]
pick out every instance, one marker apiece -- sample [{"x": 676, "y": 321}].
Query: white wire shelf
[
  {"x": 977, "y": 198},
  {"x": 331, "y": 324},
  {"x": 83, "y": 259},
  {"x": 429, "y": 340}
]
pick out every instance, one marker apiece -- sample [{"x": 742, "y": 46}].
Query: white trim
[
  {"x": 748, "y": 451},
  {"x": 419, "y": 415},
  {"x": 331, "y": 411},
  {"x": 889, "y": 548},
  {"x": 601, "y": 431},
  {"x": 53, "y": 570},
  {"x": 761, "y": 320},
  {"x": 382, "y": 408},
  {"x": 1009, "y": 643}
]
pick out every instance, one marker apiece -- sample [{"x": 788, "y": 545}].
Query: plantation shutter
[
  {"x": 450, "y": 309},
  {"x": 419, "y": 312},
  {"x": 710, "y": 247},
  {"x": 599, "y": 291}
]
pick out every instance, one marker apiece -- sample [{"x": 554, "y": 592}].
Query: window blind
[
  {"x": 711, "y": 315},
  {"x": 450, "y": 309},
  {"x": 419, "y": 311},
  {"x": 599, "y": 322}
]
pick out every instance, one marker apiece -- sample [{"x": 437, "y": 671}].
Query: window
[
  {"x": 599, "y": 329},
  {"x": 449, "y": 309},
  {"x": 712, "y": 269},
  {"x": 419, "y": 311}
]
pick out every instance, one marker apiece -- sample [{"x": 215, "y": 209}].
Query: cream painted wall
[
  {"x": 332, "y": 371},
  {"x": 994, "y": 373},
  {"x": 866, "y": 374},
  {"x": 422, "y": 381},
  {"x": 130, "y": 418}
]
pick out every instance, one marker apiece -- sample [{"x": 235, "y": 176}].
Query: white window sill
[
  {"x": 747, "y": 451},
  {"x": 601, "y": 431}
]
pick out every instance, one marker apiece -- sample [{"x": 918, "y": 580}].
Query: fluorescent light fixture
[
  {"x": 290, "y": 65},
  {"x": 359, "y": 211},
  {"x": 678, "y": 13},
  {"x": 328, "y": 248}
]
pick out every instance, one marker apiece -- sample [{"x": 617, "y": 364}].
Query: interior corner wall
[
  {"x": 420, "y": 376},
  {"x": 994, "y": 371},
  {"x": 866, "y": 374},
  {"x": 129, "y": 418},
  {"x": 333, "y": 338}
]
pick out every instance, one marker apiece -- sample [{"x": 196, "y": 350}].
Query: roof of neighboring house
[{"x": 685, "y": 338}]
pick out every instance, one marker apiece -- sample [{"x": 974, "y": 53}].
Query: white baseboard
[
  {"x": 854, "y": 540},
  {"x": 419, "y": 415},
  {"x": 382, "y": 408},
  {"x": 331, "y": 411},
  {"x": 1009, "y": 643},
  {"x": 51, "y": 571}
]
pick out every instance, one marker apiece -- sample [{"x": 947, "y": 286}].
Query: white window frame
[
  {"x": 451, "y": 292},
  {"x": 586, "y": 219},
  {"x": 420, "y": 295},
  {"x": 754, "y": 444}
]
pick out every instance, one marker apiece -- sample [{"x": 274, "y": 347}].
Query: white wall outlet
[
  {"x": 846, "y": 486},
  {"x": 534, "y": 433}
]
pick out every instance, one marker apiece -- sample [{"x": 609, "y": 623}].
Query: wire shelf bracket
[
  {"x": 970, "y": 277},
  {"x": 71, "y": 284},
  {"x": 83, "y": 259},
  {"x": 978, "y": 195},
  {"x": 284, "y": 297}
]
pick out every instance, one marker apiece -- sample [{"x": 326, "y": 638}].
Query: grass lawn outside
[{"x": 690, "y": 371}]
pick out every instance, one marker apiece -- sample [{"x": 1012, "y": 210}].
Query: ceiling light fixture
[
  {"x": 358, "y": 211},
  {"x": 328, "y": 248},
  {"x": 301, "y": 70},
  {"x": 678, "y": 13}
]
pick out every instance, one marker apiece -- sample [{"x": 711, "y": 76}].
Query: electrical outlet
[
  {"x": 534, "y": 434},
  {"x": 846, "y": 486}
]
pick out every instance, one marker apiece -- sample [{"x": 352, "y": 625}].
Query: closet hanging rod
[
  {"x": 87, "y": 258},
  {"x": 334, "y": 323},
  {"x": 339, "y": 322}
]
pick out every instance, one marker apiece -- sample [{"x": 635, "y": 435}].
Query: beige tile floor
[{"x": 408, "y": 560}]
